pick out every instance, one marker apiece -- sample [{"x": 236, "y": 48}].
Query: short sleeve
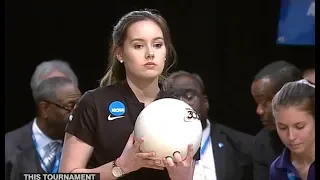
[{"x": 82, "y": 120}]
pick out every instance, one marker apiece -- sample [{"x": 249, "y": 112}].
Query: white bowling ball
[{"x": 168, "y": 125}]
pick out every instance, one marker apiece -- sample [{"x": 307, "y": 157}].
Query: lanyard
[
  {"x": 57, "y": 160},
  {"x": 205, "y": 145}
]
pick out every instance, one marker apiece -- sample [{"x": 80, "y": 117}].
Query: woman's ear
[{"x": 119, "y": 54}]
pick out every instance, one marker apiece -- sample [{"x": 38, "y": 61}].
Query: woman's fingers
[
  {"x": 177, "y": 157},
  {"x": 189, "y": 157},
  {"x": 168, "y": 162},
  {"x": 137, "y": 144},
  {"x": 146, "y": 155}
]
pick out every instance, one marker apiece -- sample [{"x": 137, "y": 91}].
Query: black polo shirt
[{"x": 104, "y": 118}]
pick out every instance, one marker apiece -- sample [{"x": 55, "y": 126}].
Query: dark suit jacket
[
  {"x": 233, "y": 161},
  {"x": 20, "y": 153},
  {"x": 267, "y": 147}
]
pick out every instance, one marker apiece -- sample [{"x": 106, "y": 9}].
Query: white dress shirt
[
  {"x": 41, "y": 140},
  {"x": 205, "y": 167}
]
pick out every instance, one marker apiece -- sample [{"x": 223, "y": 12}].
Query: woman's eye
[
  {"x": 282, "y": 128},
  {"x": 158, "y": 45},
  {"x": 300, "y": 126},
  {"x": 138, "y": 46}
]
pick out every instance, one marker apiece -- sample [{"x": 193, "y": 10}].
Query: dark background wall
[{"x": 226, "y": 42}]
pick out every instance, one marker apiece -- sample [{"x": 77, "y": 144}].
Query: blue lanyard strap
[
  {"x": 205, "y": 145},
  {"x": 57, "y": 160}
]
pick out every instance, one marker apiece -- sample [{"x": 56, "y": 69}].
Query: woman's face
[
  {"x": 144, "y": 51},
  {"x": 296, "y": 129}
]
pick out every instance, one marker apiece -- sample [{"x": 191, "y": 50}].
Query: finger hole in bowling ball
[
  {"x": 176, "y": 152},
  {"x": 168, "y": 157}
]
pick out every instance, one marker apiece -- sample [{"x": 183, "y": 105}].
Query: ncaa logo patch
[{"x": 117, "y": 110}]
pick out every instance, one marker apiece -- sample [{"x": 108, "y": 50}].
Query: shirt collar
[
  {"x": 41, "y": 139},
  {"x": 283, "y": 161}
]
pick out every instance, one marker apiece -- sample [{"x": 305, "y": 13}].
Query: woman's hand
[
  {"x": 132, "y": 159},
  {"x": 178, "y": 168}
]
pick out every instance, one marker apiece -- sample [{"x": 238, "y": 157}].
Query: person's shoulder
[
  {"x": 262, "y": 134},
  {"x": 260, "y": 139},
  {"x": 17, "y": 133},
  {"x": 14, "y": 138},
  {"x": 103, "y": 90},
  {"x": 273, "y": 167},
  {"x": 99, "y": 93},
  {"x": 235, "y": 133},
  {"x": 276, "y": 161},
  {"x": 242, "y": 142}
]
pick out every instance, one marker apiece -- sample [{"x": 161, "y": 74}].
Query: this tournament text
[{"x": 60, "y": 176}]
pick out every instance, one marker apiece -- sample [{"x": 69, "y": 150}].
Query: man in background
[
  {"x": 53, "y": 68},
  {"x": 20, "y": 141},
  {"x": 225, "y": 154},
  {"x": 267, "y": 144},
  {"x": 310, "y": 75}
]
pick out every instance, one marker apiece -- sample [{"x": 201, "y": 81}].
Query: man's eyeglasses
[{"x": 69, "y": 109}]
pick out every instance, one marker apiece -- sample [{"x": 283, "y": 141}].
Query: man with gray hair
[
  {"x": 225, "y": 154},
  {"x": 53, "y": 68},
  {"x": 35, "y": 147}
]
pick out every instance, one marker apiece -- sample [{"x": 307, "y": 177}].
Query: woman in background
[{"x": 294, "y": 111}]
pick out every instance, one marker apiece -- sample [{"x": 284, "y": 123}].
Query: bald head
[
  {"x": 189, "y": 88},
  {"x": 195, "y": 78}
]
